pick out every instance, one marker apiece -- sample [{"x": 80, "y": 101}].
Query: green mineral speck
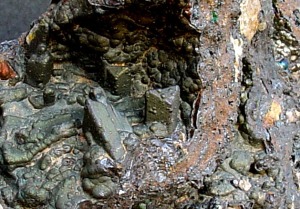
[
  {"x": 284, "y": 64},
  {"x": 215, "y": 17},
  {"x": 142, "y": 206}
]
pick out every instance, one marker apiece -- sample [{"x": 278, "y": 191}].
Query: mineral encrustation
[{"x": 153, "y": 104}]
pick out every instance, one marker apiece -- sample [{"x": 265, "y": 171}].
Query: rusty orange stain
[
  {"x": 215, "y": 126},
  {"x": 273, "y": 114},
  {"x": 6, "y": 71}
]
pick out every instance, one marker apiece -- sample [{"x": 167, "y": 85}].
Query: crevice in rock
[{"x": 245, "y": 89}]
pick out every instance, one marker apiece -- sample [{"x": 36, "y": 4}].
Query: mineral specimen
[
  {"x": 157, "y": 104},
  {"x": 163, "y": 106}
]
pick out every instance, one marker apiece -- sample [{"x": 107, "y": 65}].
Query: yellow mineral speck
[
  {"x": 30, "y": 37},
  {"x": 273, "y": 114},
  {"x": 249, "y": 21},
  {"x": 262, "y": 26}
]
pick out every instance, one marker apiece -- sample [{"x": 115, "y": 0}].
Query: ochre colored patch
[
  {"x": 273, "y": 114},
  {"x": 6, "y": 71},
  {"x": 31, "y": 35},
  {"x": 249, "y": 18}
]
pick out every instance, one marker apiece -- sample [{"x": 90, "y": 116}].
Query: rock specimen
[
  {"x": 163, "y": 106},
  {"x": 152, "y": 104}
]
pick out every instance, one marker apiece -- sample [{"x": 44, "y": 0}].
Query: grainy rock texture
[{"x": 153, "y": 104}]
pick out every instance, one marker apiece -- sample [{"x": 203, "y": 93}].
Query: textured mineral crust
[{"x": 153, "y": 104}]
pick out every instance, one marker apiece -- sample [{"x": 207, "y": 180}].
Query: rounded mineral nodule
[
  {"x": 241, "y": 161},
  {"x": 49, "y": 96}
]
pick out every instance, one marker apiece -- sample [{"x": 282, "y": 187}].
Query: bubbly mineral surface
[{"x": 152, "y": 104}]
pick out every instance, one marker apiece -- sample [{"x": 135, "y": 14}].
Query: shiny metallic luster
[{"x": 107, "y": 3}]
